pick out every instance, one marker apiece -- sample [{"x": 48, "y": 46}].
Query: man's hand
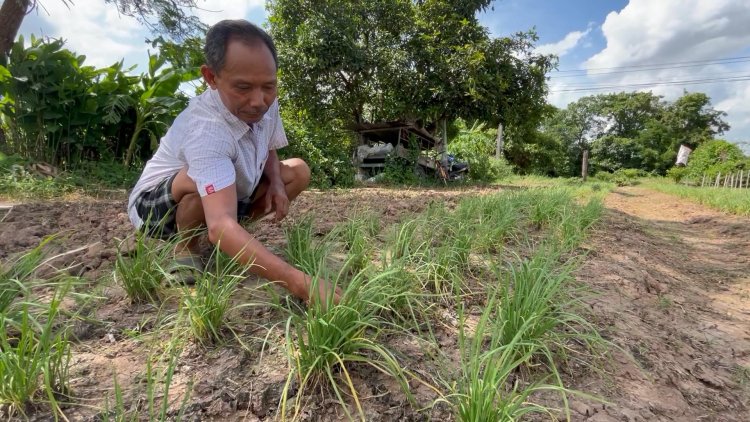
[{"x": 276, "y": 199}]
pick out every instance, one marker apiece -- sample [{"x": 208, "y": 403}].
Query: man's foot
[{"x": 186, "y": 269}]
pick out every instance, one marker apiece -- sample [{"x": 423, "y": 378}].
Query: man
[{"x": 218, "y": 161}]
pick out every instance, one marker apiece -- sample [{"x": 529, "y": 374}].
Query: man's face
[{"x": 247, "y": 83}]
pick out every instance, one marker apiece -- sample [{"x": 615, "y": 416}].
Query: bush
[
  {"x": 476, "y": 145},
  {"x": 326, "y": 150},
  {"x": 715, "y": 157},
  {"x": 677, "y": 173}
]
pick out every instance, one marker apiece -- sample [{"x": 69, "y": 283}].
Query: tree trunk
[
  {"x": 500, "y": 142},
  {"x": 12, "y": 13},
  {"x": 585, "y": 165}
]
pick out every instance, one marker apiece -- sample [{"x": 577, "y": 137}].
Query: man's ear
[{"x": 209, "y": 76}]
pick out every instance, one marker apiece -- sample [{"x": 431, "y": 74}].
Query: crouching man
[{"x": 218, "y": 161}]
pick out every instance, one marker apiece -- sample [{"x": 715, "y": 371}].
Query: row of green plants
[
  {"x": 734, "y": 201},
  {"x": 512, "y": 254}
]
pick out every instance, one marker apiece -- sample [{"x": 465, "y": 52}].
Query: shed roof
[{"x": 389, "y": 132}]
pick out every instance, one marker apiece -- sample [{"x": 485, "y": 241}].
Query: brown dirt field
[{"x": 672, "y": 284}]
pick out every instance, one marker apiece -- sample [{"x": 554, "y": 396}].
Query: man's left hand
[{"x": 276, "y": 199}]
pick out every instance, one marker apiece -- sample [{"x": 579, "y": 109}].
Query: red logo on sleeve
[{"x": 210, "y": 189}]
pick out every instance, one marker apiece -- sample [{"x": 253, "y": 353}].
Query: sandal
[{"x": 186, "y": 269}]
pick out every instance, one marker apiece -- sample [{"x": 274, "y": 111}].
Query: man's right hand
[{"x": 305, "y": 291}]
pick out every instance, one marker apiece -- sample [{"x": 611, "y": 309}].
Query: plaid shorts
[{"x": 157, "y": 209}]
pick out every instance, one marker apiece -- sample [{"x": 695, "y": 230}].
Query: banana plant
[{"x": 156, "y": 101}]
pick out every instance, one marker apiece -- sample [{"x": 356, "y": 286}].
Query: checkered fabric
[{"x": 156, "y": 208}]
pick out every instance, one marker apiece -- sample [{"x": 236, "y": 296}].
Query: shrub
[{"x": 476, "y": 145}]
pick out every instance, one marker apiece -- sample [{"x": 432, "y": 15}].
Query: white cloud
[
  {"x": 210, "y": 12},
  {"x": 563, "y": 46},
  {"x": 94, "y": 29},
  {"x": 647, "y": 32}
]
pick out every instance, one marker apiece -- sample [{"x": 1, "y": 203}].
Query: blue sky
[{"x": 689, "y": 38}]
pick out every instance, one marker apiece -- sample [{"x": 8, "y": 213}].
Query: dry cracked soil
[{"x": 670, "y": 283}]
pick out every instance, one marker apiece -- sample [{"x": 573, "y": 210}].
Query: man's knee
[{"x": 301, "y": 171}]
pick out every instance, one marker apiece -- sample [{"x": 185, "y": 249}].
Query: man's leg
[
  {"x": 189, "y": 214},
  {"x": 296, "y": 177}
]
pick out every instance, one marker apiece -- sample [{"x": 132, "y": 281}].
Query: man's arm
[
  {"x": 276, "y": 196},
  {"x": 220, "y": 209}
]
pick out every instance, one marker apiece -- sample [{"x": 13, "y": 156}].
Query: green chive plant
[
  {"x": 142, "y": 274},
  {"x": 207, "y": 304},
  {"x": 302, "y": 250},
  {"x": 323, "y": 341},
  {"x": 34, "y": 357}
]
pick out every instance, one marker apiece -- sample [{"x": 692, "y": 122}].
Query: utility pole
[
  {"x": 499, "y": 141},
  {"x": 585, "y": 165}
]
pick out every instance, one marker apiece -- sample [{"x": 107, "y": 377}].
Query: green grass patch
[{"x": 734, "y": 201}]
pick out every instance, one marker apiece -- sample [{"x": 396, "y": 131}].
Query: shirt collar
[{"x": 237, "y": 127}]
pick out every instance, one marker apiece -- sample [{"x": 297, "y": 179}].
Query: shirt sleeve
[
  {"x": 278, "y": 136},
  {"x": 209, "y": 153}
]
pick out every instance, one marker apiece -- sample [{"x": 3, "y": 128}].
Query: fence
[{"x": 737, "y": 180}]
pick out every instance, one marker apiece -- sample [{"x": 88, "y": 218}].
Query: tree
[
  {"x": 692, "y": 121},
  {"x": 168, "y": 17},
  {"x": 397, "y": 59}
]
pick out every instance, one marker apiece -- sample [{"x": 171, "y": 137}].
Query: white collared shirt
[{"x": 217, "y": 148}]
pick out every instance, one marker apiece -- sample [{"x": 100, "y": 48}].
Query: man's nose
[{"x": 255, "y": 99}]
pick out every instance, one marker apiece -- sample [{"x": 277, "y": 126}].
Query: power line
[
  {"x": 553, "y": 76},
  {"x": 653, "y": 84},
  {"x": 691, "y": 62},
  {"x": 586, "y": 84}
]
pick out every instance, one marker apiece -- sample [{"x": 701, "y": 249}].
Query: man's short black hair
[{"x": 219, "y": 35}]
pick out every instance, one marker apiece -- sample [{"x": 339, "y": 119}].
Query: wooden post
[
  {"x": 741, "y": 178},
  {"x": 718, "y": 177},
  {"x": 703, "y": 180},
  {"x": 585, "y": 165},
  {"x": 500, "y": 143}
]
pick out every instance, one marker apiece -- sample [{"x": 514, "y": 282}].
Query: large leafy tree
[
  {"x": 692, "y": 120},
  {"x": 168, "y": 17},
  {"x": 339, "y": 59},
  {"x": 386, "y": 59},
  {"x": 633, "y": 129}
]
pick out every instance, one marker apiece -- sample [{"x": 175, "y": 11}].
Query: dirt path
[{"x": 674, "y": 283}]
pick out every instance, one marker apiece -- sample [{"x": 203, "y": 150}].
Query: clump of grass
[
  {"x": 207, "y": 304},
  {"x": 34, "y": 357},
  {"x": 302, "y": 250},
  {"x": 575, "y": 221},
  {"x": 405, "y": 242},
  {"x": 494, "y": 218},
  {"x": 142, "y": 274},
  {"x": 547, "y": 205},
  {"x": 322, "y": 341},
  {"x": 735, "y": 201}
]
